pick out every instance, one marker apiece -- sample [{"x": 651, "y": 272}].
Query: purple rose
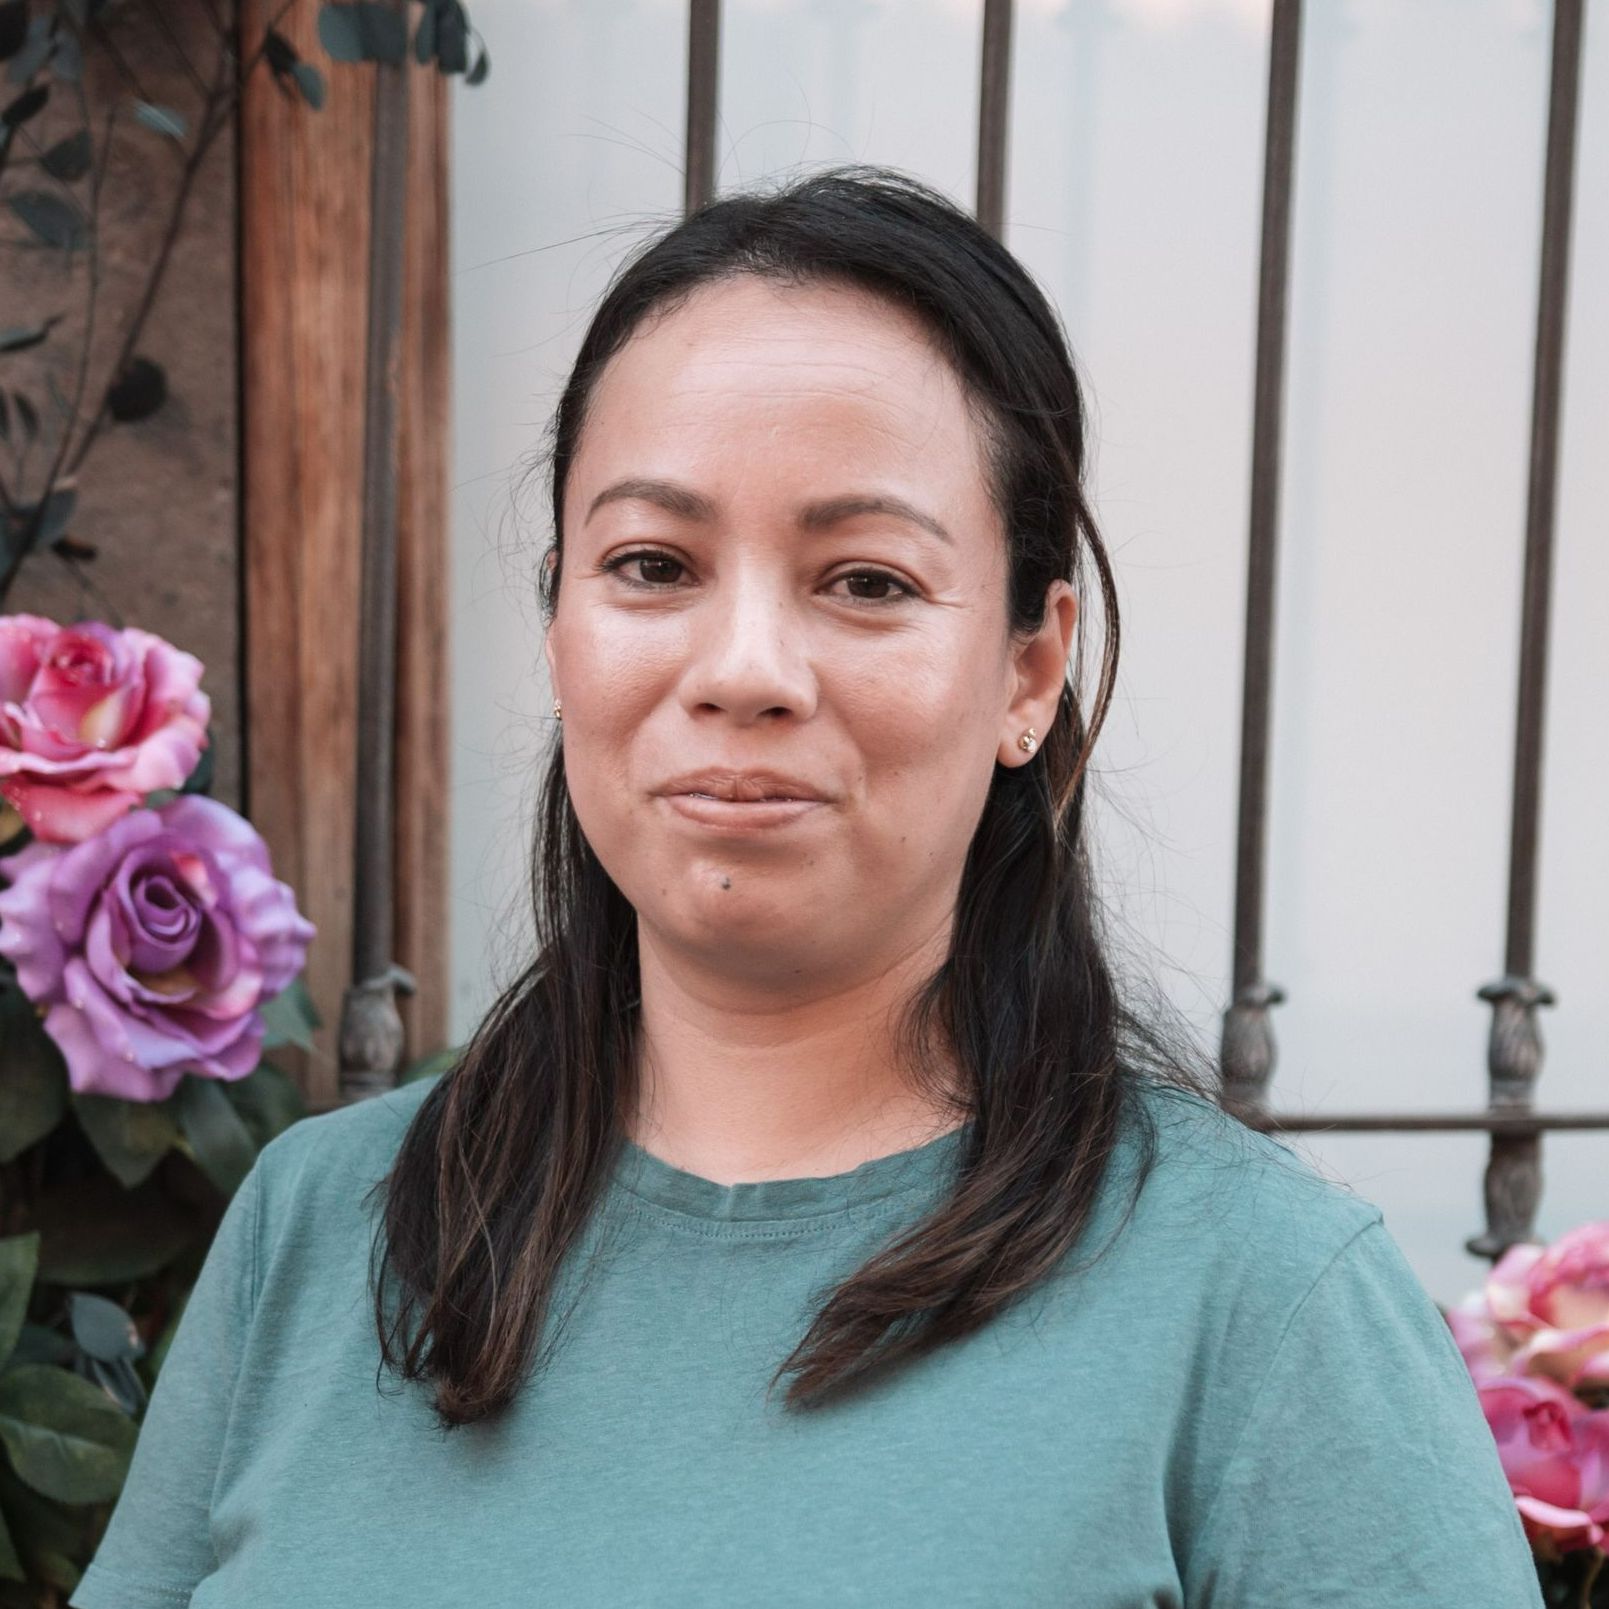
[{"x": 150, "y": 946}]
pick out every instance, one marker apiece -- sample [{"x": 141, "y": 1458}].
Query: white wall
[{"x": 1135, "y": 194}]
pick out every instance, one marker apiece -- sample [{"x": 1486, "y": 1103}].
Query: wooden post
[{"x": 304, "y": 204}]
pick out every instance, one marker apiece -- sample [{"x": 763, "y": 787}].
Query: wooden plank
[
  {"x": 304, "y": 197},
  {"x": 422, "y": 760}
]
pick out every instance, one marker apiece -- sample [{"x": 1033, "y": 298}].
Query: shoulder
[
  {"x": 1205, "y": 1156},
  {"x": 335, "y": 1150},
  {"x": 1230, "y": 1209}
]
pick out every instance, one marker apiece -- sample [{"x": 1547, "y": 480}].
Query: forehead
[{"x": 816, "y": 377}]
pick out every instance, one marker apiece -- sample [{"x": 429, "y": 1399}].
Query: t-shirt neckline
[{"x": 649, "y": 1178}]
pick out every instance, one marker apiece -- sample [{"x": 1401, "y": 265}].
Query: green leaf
[
  {"x": 117, "y": 1379},
  {"x": 13, "y": 27},
  {"x": 66, "y": 1438},
  {"x": 161, "y": 119},
  {"x": 268, "y": 1102},
  {"x": 34, "y": 53},
  {"x": 341, "y": 32},
  {"x": 310, "y": 81},
  {"x": 22, "y": 336},
  {"x": 385, "y": 31},
  {"x": 59, "y": 508},
  {"x": 40, "y": 1344},
  {"x": 102, "y": 1328},
  {"x": 280, "y": 54},
  {"x": 70, "y": 158},
  {"x": 94, "y": 1232},
  {"x": 137, "y": 392},
  {"x": 362, "y": 30},
  {"x": 290, "y": 1017},
  {"x": 57, "y": 1570},
  {"x": 10, "y": 1565},
  {"x": 40, "y": 1524},
  {"x": 28, "y": 104},
  {"x": 19, "y": 1263},
  {"x": 52, "y": 219},
  {"x": 33, "y": 1089},
  {"x": 130, "y": 1137},
  {"x": 452, "y": 37},
  {"x": 219, "y": 1138}
]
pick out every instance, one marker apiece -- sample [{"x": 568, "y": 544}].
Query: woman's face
[{"x": 780, "y": 556}]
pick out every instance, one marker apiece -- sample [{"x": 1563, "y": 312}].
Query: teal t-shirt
[{"x": 1248, "y": 1403}]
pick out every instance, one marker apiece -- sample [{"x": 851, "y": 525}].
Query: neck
[{"x": 741, "y": 1080}]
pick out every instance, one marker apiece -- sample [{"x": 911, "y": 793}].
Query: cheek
[
  {"x": 610, "y": 661},
  {"x": 927, "y": 742},
  {"x": 918, "y": 709}
]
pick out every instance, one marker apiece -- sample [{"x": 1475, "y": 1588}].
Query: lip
[
  {"x": 741, "y": 815},
  {"x": 748, "y": 787}
]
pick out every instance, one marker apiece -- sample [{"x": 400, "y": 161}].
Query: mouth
[
  {"x": 763, "y": 798},
  {"x": 710, "y": 812},
  {"x": 725, "y": 786}
]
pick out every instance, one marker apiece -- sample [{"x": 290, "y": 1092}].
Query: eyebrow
[{"x": 685, "y": 503}]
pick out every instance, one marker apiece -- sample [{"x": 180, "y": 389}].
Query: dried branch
[
  {"x": 175, "y": 44},
  {"x": 15, "y": 558},
  {"x": 120, "y": 61}
]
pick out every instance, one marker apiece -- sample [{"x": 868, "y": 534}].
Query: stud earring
[
  {"x": 1028, "y": 742},
  {"x": 558, "y": 710}
]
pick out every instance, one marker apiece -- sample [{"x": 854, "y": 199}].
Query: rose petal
[
  {"x": 94, "y": 1070},
  {"x": 1568, "y": 1527},
  {"x": 22, "y": 643},
  {"x": 62, "y": 815},
  {"x": 28, "y": 936}
]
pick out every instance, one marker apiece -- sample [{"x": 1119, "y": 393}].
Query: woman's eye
[
  {"x": 659, "y": 571},
  {"x": 648, "y": 577},
  {"x": 876, "y": 578}
]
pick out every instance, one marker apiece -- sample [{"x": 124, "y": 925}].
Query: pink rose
[
  {"x": 1555, "y": 1453},
  {"x": 91, "y": 720},
  {"x": 1544, "y": 1310}
]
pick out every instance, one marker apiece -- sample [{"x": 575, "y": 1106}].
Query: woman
[{"x": 812, "y": 1222}]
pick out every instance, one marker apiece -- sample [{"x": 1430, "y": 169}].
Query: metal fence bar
[
  {"x": 1513, "y": 1181},
  {"x": 1497, "y": 1123},
  {"x": 994, "y": 114},
  {"x": 1248, "y": 1052},
  {"x": 370, "y": 1042},
  {"x": 1513, "y": 1175},
  {"x": 703, "y": 100}
]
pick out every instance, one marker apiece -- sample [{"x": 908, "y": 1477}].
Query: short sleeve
[
  {"x": 1364, "y": 1476},
  {"x": 157, "y": 1544}
]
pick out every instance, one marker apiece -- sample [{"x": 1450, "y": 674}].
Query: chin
[{"x": 762, "y": 908}]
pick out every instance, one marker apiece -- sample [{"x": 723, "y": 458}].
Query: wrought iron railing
[{"x": 1248, "y": 1055}]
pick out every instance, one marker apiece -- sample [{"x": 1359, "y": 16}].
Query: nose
[{"x": 747, "y": 651}]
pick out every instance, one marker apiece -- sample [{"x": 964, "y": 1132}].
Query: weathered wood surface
[{"x": 304, "y": 205}]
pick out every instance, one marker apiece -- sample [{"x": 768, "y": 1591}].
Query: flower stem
[{"x": 1590, "y": 1577}]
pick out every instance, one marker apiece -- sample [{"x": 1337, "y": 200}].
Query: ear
[{"x": 1040, "y": 664}]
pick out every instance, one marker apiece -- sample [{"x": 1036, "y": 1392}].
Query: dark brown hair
[{"x": 508, "y": 1153}]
